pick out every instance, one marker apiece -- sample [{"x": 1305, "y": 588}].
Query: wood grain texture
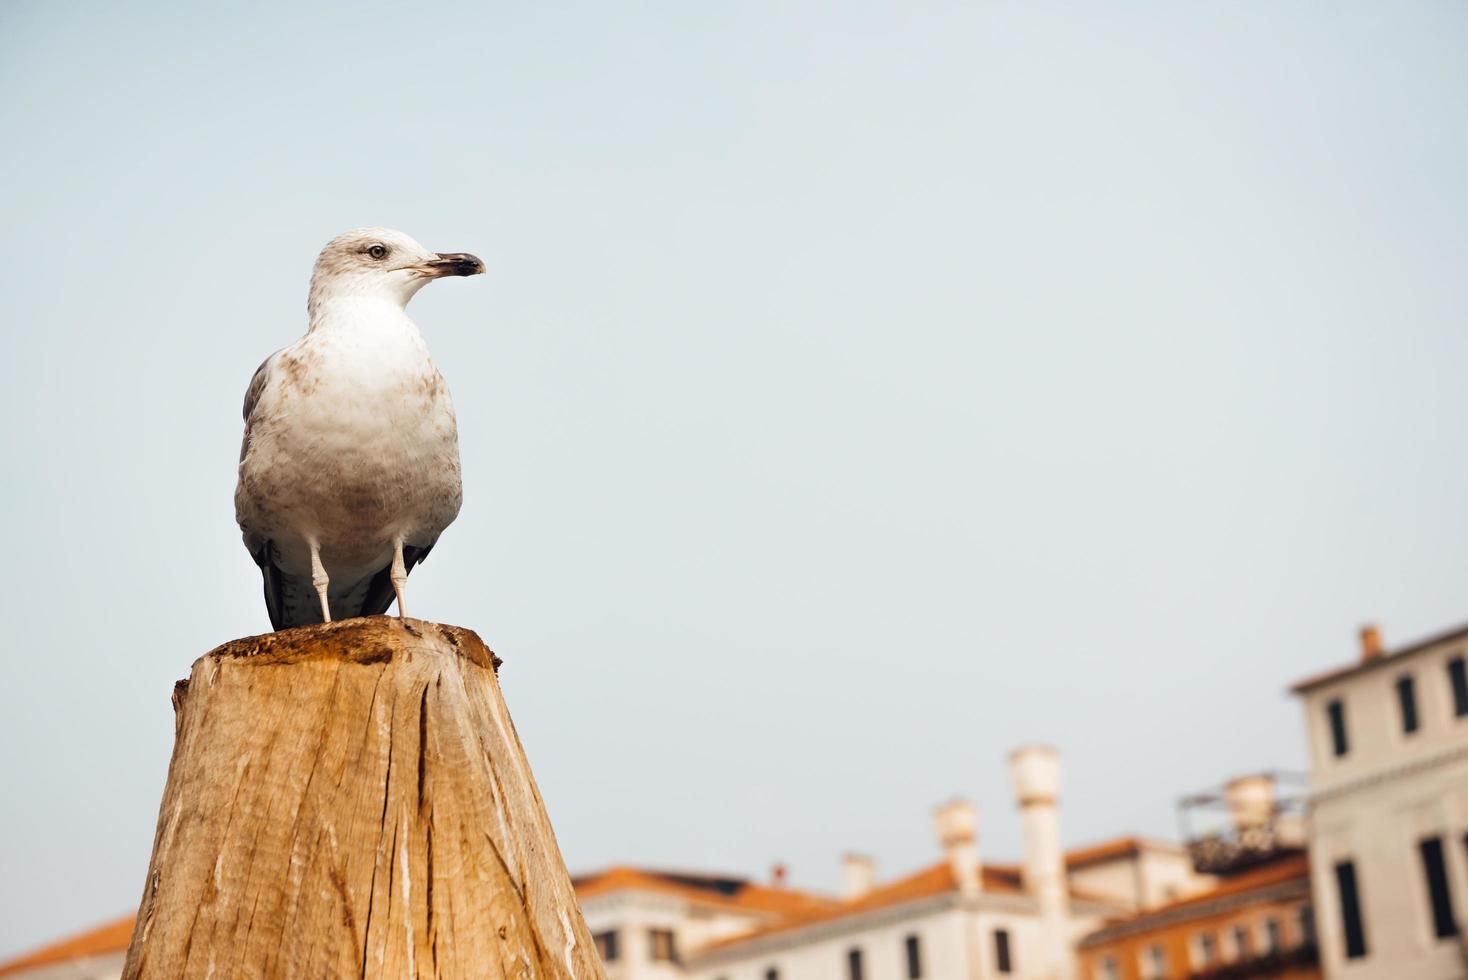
[{"x": 352, "y": 800}]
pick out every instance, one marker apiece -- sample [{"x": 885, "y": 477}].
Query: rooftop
[
  {"x": 931, "y": 881},
  {"x": 727, "y": 892},
  {"x": 938, "y": 879},
  {"x": 108, "y": 939},
  {"x": 1378, "y": 660},
  {"x": 1114, "y": 850},
  {"x": 1262, "y": 883}
]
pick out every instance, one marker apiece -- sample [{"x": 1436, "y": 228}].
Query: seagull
[{"x": 349, "y": 470}]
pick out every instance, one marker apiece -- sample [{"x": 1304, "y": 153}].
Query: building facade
[
  {"x": 647, "y": 923},
  {"x": 960, "y": 918},
  {"x": 1255, "y": 920},
  {"x": 1388, "y": 738},
  {"x": 1256, "y": 924}
]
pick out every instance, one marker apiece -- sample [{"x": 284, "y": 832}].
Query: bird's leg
[
  {"x": 398, "y": 575},
  {"x": 320, "y": 581}
]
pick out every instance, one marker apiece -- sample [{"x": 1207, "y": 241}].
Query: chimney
[
  {"x": 778, "y": 874},
  {"x": 1035, "y": 771},
  {"x": 858, "y": 875},
  {"x": 957, "y": 826},
  {"x": 1250, "y": 801},
  {"x": 1370, "y": 642}
]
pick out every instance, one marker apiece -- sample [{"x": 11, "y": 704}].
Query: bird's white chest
[
  {"x": 377, "y": 397},
  {"x": 354, "y": 442}
]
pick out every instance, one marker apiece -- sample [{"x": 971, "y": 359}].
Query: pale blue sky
[{"x": 857, "y": 391}]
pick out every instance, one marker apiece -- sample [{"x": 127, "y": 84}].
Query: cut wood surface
[{"x": 352, "y": 800}]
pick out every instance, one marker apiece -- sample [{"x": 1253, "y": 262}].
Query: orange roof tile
[
  {"x": 1110, "y": 850},
  {"x": 931, "y": 881},
  {"x": 935, "y": 880},
  {"x": 1115, "y": 849},
  {"x": 113, "y": 937},
  {"x": 726, "y": 892},
  {"x": 1295, "y": 864},
  {"x": 1292, "y": 866}
]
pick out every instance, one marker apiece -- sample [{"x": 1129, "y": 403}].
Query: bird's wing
[
  {"x": 380, "y": 592},
  {"x": 252, "y": 397},
  {"x": 281, "y": 599},
  {"x": 257, "y": 385}
]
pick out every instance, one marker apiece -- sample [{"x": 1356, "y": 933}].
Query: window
[
  {"x": 1003, "y": 958},
  {"x": 1436, "y": 873},
  {"x": 1305, "y": 919},
  {"x": 664, "y": 947},
  {"x": 1154, "y": 965},
  {"x": 1336, "y": 712},
  {"x": 606, "y": 945},
  {"x": 1273, "y": 941},
  {"x": 1407, "y": 701},
  {"x": 1109, "y": 969},
  {"x": 1355, "y": 931},
  {"x": 914, "y": 958},
  {"x": 1241, "y": 942},
  {"x": 1207, "y": 949},
  {"x": 853, "y": 965},
  {"x": 1458, "y": 675}
]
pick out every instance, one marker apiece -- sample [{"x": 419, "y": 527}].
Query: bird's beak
[{"x": 452, "y": 264}]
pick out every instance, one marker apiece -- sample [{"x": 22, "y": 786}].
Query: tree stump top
[
  {"x": 351, "y": 799},
  {"x": 371, "y": 639}
]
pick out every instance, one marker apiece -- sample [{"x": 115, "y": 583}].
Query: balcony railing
[
  {"x": 1266, "y": 965},
  {"x": 1225, "y": 852},
  {"x": 1244, "y": 822}
]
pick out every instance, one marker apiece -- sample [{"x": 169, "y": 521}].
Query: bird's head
[{"x": 379, "y": 263}]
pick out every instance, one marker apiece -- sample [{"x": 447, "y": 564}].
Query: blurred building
[
  {"x": 1388, "y": 739},
  {"x": 1255, "y": 920},
  {"x": 645, "y": 923},
  {"x": 959, "y": 918}
]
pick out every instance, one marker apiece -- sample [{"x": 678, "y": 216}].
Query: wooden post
[{"x": 352, "y": 800}]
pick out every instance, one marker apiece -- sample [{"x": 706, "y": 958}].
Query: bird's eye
[{"x": 378, "y": 251}]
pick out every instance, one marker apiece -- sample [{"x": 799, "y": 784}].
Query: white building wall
[
  {"x": 1160, "y": 873},
  {"x": 1373, "y": 806},
  {"x": 1378, "y": 828},
  {"x": 940, "y": 934},
  {"x": 1027, "y": 943},
  {"x": 633, "y": 915},
  {"x": 1120, "y": 880},
  {"x": 1168, "y": 875},
  {"x": 957, "y": 942}
]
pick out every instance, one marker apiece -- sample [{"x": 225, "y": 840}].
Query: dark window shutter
[
  {"x": 1407, "y": 701},
  {"x": 1336, "y": 711},
  {"x": 1458, "y": 675},
  {"x": 1355, "y": 929},
  {"x": 914, "y": 958},
  {"x": 1435, "y": 870}
]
